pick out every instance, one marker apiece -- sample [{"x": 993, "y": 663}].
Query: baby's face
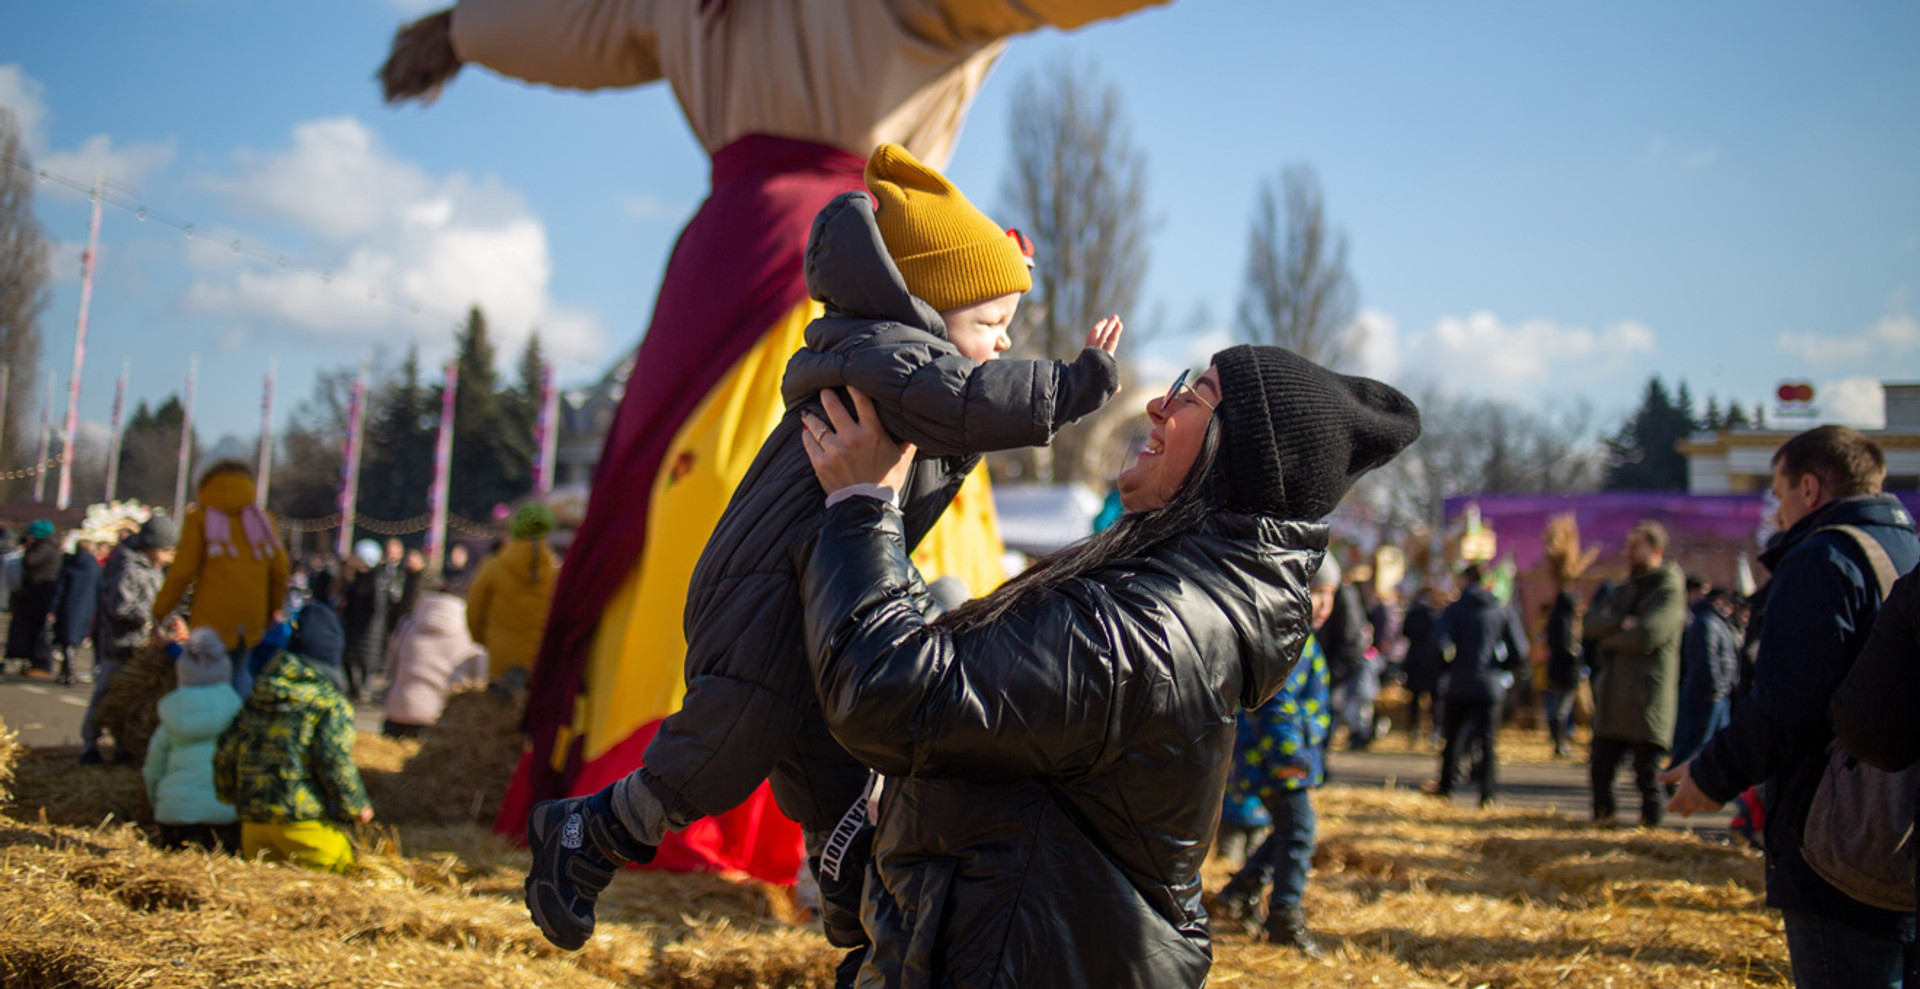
[{"x": 980, "y": 330}]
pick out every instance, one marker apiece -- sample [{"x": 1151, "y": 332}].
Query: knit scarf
[{"x": 253, "y": 524}]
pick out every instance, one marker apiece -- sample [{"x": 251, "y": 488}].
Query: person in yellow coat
[
  {"x": 230, "y": 556},
  {"x": 507, "y": 604}
]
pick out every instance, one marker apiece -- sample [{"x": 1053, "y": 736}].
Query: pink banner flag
[
  {"x": 350, "y": 464},
  {"x": 46, "y": 439},
  {"x": 264, "y": 468},
  {"x": 546, "y": 433},
  {"x": 442, "y": 468},
  {"x": 114, "y": 433}
]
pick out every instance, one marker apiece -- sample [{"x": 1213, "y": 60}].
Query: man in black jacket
[
  {"x": 1822, "y": 603},
  {"x": 1488, "y": 645},
  {"x": 1709, "y": 666}
]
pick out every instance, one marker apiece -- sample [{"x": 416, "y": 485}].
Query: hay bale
[
  {"x": 10, "y": 753},
  {"x": 129, "y": 710},
  {"x": 456, "y": 772},
  {"x": 50, "y": 783}
]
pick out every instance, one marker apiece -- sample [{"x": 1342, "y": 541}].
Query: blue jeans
[
  {"x": 1284, "y": 857},
  {"x": 1827, "y": 954}
]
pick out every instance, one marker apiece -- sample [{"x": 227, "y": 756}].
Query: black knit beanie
[{"x": 1295, "y": 436}]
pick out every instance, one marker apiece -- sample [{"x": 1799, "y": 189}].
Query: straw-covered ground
[{"x": 1408, "y": 892}]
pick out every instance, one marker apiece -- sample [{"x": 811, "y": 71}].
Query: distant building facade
[{"x": 1740, "y": 461}]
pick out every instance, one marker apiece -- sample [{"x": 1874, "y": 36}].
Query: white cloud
[
  {"x": 1481, "y": 354},
  {"x": 95, "y": 158},
  {"x": 1859, "y": 402},
  {"x": 1380, "y": 345},
  {"x": 20, "y": 93},
  {"x": 405, "y": 250},
  {"x": 1893, "y": 335},
  {"x": 645, "y": 207}
]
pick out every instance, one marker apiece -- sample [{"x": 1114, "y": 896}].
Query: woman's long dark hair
[{"x": 1200, "y": 493}]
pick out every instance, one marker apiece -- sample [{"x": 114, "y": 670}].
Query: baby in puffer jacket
[
  {"x": 920, "y": 290},
  {"x": 179, "y": 767}
]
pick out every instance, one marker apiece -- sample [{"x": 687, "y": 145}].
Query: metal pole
[
  {"x": 186, "y": 443},
  {"x": 79, "y": 352}
]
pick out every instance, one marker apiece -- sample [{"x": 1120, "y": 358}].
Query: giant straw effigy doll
[{"x": 788, "y": 98}]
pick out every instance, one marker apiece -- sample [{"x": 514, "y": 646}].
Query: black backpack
[{"x": 1859, "y": 834}]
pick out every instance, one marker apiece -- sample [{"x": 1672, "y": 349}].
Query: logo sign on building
[{"x": 1795, "y": 399}]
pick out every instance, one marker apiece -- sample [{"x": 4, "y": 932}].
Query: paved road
[
  {"x": 47, "y": 714},
  {"x": 1560, "y": 786}
]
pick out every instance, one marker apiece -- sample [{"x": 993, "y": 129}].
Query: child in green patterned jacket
[{"x": 286, "y": 763}]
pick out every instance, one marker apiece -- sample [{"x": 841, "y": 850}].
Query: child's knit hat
[
  {"x": 204, "y": 661},
  {"x": 950, "y": 254}
]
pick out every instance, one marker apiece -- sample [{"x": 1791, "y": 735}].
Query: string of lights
[
  {"x": 37, "y": 469},
  {"x": 111, "y": 194},
  {"x": 381, "y": 527}
]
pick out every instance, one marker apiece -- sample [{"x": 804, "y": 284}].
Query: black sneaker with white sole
[{"x": 577, "y": 846}]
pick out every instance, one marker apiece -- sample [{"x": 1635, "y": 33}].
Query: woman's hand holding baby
[{"x": 846, "y": 452}]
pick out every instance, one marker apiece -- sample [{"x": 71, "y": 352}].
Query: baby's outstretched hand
[{"x": 1106, "y": 334}]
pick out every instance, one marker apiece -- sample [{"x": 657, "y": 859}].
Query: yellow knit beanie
[{"x": 950, "y": 254}]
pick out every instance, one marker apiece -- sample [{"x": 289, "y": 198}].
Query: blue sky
[{"x": 1545, "y": 201}]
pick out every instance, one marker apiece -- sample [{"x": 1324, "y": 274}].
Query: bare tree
[
  {"x": 1298, "y": 294},
  {"x": 1077, "y": 188},
  {"x": 23, "y": 295},
  {"x": 1484, "y": 446}
]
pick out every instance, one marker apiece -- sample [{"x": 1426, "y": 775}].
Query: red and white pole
[{"x": 79, "y": 352}]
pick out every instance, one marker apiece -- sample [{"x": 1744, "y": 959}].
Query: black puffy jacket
[
  {"x": 750, "y": 707},
  {"x": 1054, "y": 777}
]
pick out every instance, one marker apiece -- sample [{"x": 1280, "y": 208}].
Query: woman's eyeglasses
[{"x": 1178, "y": 387}]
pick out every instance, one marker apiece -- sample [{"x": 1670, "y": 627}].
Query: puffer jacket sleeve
[
  {"x": 579, "y": 44},
  {"x": 331, "y": 762},
  {"x": 950, "y": 405},
  {"x": 908, "y": 699}
]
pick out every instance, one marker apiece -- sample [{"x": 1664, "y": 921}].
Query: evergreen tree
[
  {"x": 1644, "y": 455},
  {"x": 1737, "y": 417},
  {"x": 1712, "y": 422},
  {"x": 150, "y": 453},
  {"x": 1683, "y": 400},
  {"x": 492, "y": 457},
  {"x": 398, "y": 465}
]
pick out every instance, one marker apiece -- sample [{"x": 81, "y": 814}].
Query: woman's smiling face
[{"x": 1179, "y": 429}]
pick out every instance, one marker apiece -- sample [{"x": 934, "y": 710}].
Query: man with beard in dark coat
[{"x": 1823, "y": 602}]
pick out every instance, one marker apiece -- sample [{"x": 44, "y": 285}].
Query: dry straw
[{"x": 1406, "y": 891}]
